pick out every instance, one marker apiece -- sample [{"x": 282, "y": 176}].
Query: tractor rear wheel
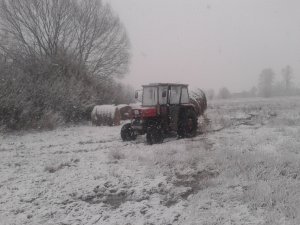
[
  {"x": 187, "y": 125},
  {"x": 154, "y": 135},
  {"x": 127, "y": 133}
]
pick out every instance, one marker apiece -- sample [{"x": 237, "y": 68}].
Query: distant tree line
[
  {"x": 267, "y": 86},
  {"x": 58, "y": 58}
]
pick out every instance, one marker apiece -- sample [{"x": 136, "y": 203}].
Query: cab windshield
[{"x": 149, "y": 96}]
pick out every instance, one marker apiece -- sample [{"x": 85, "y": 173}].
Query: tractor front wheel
[{"x": 127, "y": 133}]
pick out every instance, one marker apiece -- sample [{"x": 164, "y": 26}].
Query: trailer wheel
[
  {"x": 127, "y": 133},
  {"x": 154, "y": 135},
  {"x": 187, "y": 125}
]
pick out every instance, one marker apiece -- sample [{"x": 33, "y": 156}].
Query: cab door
[
  {"x": 174, "y": 106},
  {"x": 163, "y": 106}
]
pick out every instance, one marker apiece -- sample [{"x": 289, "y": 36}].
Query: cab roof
[{"x": 163, "y": 84}]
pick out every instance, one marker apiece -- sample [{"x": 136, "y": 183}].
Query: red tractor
[{"x": 166, "y": 108}]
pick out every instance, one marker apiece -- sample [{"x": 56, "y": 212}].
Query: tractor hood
[{"x": 144, "y": 112}]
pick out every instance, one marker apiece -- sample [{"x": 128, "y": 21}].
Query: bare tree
[
  {"x": 253, "y": 92},
  {"x": 63, "y": 56},
  {"x": 87, "y": 32},
  {"x": 266, "y": 80},
  {"x": 210, "y": 94},
  {"x": 287, "y": 77},
  {"x": 224, "y": 93}
]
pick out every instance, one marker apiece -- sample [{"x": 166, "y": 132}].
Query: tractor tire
[
  {"x": 154, "y": 135},
  {"x": 127, "y": 133},
  {"x": 187, "y": 125}
]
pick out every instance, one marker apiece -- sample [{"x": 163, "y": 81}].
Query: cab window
[
  {"x": 150, "y": 96},
  {"x": 162, "y": 93},
  {"x": 184, "y": 95},
  {"x": 175, "y": 94}
]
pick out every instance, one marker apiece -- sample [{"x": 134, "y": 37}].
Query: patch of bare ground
[
  {"x": 56, "y": 167},
  {"x": 196, "y": 182}
]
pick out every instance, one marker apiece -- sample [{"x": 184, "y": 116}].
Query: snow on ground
[{"x": 244, "y": 169}]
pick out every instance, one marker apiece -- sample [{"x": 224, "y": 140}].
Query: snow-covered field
[{"x": 244, "y": 169}]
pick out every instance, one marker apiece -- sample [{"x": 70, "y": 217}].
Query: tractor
[{"x": 166, "y": 108}]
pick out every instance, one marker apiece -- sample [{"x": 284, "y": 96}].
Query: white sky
[{"x": 210, "y": 43}]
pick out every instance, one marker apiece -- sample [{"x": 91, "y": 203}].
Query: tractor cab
[{"x": 163, "y": 94}]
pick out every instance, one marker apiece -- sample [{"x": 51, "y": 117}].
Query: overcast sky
[{"x": 210, "y": 43}]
